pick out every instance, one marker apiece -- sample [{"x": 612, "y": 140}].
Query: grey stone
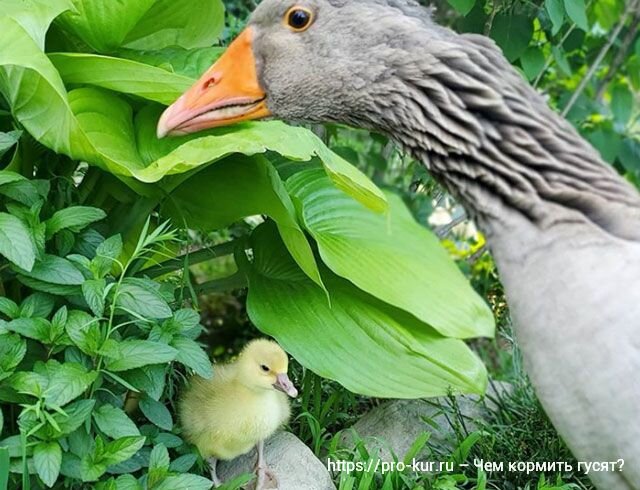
[
  {"x": 392, "y": 428},
  {"x": 289, "y": 459}
]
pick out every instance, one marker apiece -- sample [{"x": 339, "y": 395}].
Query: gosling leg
[
  {"x": 264, "y": 474},
  {"x": 213, "y": 463}
]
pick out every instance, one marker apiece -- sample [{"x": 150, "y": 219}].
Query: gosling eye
[
  {"x": 299, "y": 18},
  {"x": 265, "y": 368}
]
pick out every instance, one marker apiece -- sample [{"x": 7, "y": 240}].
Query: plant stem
[
  {"x": 235, "y": 281},
  {"x": 198, "y": 257}
]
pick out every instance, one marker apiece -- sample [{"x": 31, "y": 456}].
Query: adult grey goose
[{"x": 563, "y": 227}]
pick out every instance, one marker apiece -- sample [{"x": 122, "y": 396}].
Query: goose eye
[
  {"x": 299, "y": 18},
  {"x": 264, "y": 368}
]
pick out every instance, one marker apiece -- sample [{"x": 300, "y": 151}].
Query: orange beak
[{"x": 229, "y": 92}]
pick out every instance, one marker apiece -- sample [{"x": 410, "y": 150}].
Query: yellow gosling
[{"x": 242, "y": 405}]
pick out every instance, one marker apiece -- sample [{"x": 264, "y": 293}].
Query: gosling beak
[
  {"x": 229, "y": 92},
  {"x": 284, "y": 384}
]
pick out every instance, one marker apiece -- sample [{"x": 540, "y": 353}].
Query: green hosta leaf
[
  {"x": 396, "y": 355},
  {"x": 512, "y": 33},
  {"x": 179, "y": 155},
  {"x": 555, "y": 9},
  {"x": 178, "y": 23},
  {"x": 47, "y": 458},
  {"x": 74, "y": 217},
  {"x": 463, "y": 6},
  {"x": 577, "y": 12},
  {"x": 191, "y": 355},
  {"x": 142, "y": 297},
  {"x": 55, "y": 270},
  {"x": 208, "y": 201},
  {"x": 93, "y": 291},
  {"x": 7, "y": 140},
  {"x": 391, "y": 257},
  {"x": 104, "y": 25},
  {"x": 114, "y": 422},
  {"x": 121, "y": 449},
  {"x": 121, "y": 75},
  {"x": 66, "y": 382},
  {"x": 156, "y": 412},
  {"x": 184, "y": 482},
  {"x": 34, "y": 16},
  {"x": 190, "y": 63},
  {"x": 138, "y": 353},
  {"x": 15, "y": 242},
  {"x": 532, "y": 61}
]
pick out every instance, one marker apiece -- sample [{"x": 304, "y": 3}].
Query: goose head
[{"x": 303, "y": 60}]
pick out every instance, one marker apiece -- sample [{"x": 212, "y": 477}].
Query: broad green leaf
[
  {"x": 629, "y": 155},
  {"x": 621, "y": 104},
  {"x": 142, "y": 297},
  {"x": 555, "y": 9},
  {"x": 93, "y": 292},
  {"x": 34, "y": 16},
  {"x": 156, "y": 413},
  {"x": 12, "y": 351},
  {"x": 7, "y": 176},
  {"x": 104, "y": 25},
  {"x": 74, "y": 217},
  {"x": 391, "y": 257},
  {"x": 512, "y": 33},
  {"x": 122, "y": 449},
  {"x": 55, "y": 270},
  {"x": 607, "y": 142},
  {"x": 191, "y": 355},
  {"x": 37, "y": 304},
  {"x": 159, "y": 457},
  {"x": 47, "y": 458},
  {"x": 462, "y": 6},
  {"x": 7, "y": 140},
  {"x": 66, "y": 382},
  {"x": 179, "y": 155},
  {"x": 8, "y": 307},
  {"x": 577, "y": 12},
  {"x": 121, "y": 75},
  {"x": 561, "y": 59},
  {"x": 138, "y": 353},
  {"x": 114, "y": 422},
  {"x": 106, "y": 255},
  {"x": 33, "y": 328},
  {"x": 190, "y": 63},
  {"x": 532, "y": 61},
  {"x": 394, "y": 354},
  {"x": 127, "y": 482},
  {"x": 183, "y": 463},
  {"x": 184, "y": 482},
  {"x": 84, "y": 331},
  {"x": 181, "y": 23},
  {"x": 208, "y": 201},
  {"x": 15, "y": 242},
  {"x": 76, "y": 414}
]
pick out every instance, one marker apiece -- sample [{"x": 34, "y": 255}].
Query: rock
[
  {"x": 293, "y": 464},
  {"x": 394, "y": 426}
]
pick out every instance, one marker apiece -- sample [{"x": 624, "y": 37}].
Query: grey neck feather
[{"x": 458, "y": 106}]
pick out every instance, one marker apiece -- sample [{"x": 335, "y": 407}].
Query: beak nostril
[{"x": 210, "y": 82}]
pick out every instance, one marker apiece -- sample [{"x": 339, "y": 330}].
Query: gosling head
[
  {"x": 305, "y": 60},
  {"x": 263, "y": 365}
]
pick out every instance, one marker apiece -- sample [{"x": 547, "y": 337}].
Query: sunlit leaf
[
  {"x": 394, "y": 354},
  {"x": 391, "y": 257}
]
